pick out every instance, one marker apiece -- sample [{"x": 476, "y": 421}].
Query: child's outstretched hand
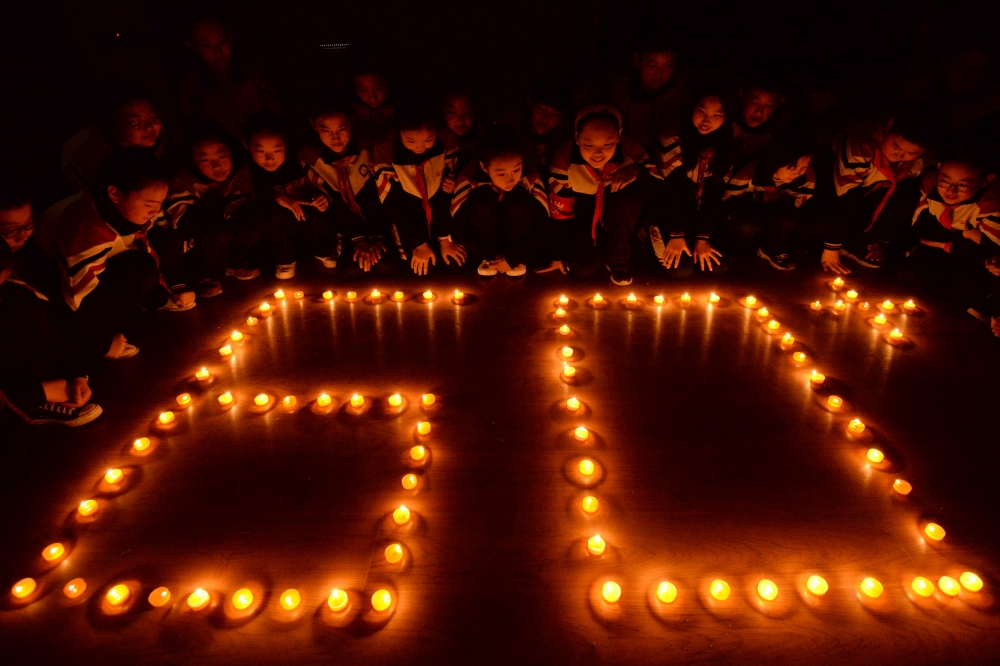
[
  {"x": 450, "y": 248},
  {"x": 672, "y": 252},
  {"x": 448, "y": 184},
  {"x": 624, "y": 176},
  {"x": 705, "y": 254},
  {"x": 291, "y": 204},
  {"x": 830, "y": 261},
  {"x": 993, "y": 265},
  {"x": 320, "y": 202},
  {"x": 423, "y": 258},
  {"x": 876, "y": 252},
  {"x": 78, "y": 390}
]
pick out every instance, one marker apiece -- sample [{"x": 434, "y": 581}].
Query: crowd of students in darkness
[{"x": 654, "y": 174}]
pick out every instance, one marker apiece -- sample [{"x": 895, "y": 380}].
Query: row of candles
[{"x": 816, "y": 585}]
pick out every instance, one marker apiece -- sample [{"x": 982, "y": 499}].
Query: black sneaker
[
  {"x": 620, "y": 277},
  {"x": 782, "y": 262},
  {"x": 52, "y": 412}
]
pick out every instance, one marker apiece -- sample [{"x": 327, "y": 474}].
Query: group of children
[{"x": 654, "y": 175}]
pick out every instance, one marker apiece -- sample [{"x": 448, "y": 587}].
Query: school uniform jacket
[
  {"x": 347, "y": 177},
  {"x": 934, "y": 220},
  {"x": 189, "y": 187},
  {"x": 761, "y": 188},
  {"x": 670, "y": 164},
  {"x": 474, "y": 177}
]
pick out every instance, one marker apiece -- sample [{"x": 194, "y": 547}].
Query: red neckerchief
[
  {"x": 703, "y": 162},
  {"x": 421, "y": 182},
  {"x": 499, "y": 192},
  {"x": 599, "y": 203},
  {"x": 892, "y": 178},
  {"x": 344, "y": 186}
]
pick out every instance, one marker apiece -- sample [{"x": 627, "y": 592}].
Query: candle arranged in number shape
[
  {"x": 767, "y": 590},
  {"x": 658, "y": 299},
  {"x": 53, "y": 552},
  {"x": 719, "y": 589},
  {"x": 685, "y": 298},
  {"x": 397, "y": 296},
  {"x": 265, "y": 308},
  {"x": 376, "y": 296},
  {"x": 949, "y": 586},
  {"x": 225, "y": 350},
  {"x": 590, "y": 504},
  {"x": 572, "y": 404},
  {"x": 75, "y": 588},
  {"x": 328, "y": 295},
  {"x": 88, "y": 508},
  {"x": 337, "y": 601},
  {"x": 840, "y": 306},
  {"x": 251, "y": 321},
  {"x": 666, "y": 592},
  {"x": 909, "y": 306},
  {"x": 568, "y": 370},
  {"x": 279, "y": 294},
  {"x": 631, "y": 299},
  {"x": 566, "y": 352},
  {"x": 184, "y": 399},
  {"x": 816, "y": 305},
  {"x": 198, "y": 599},
  {"x": 393, "y": 553},
  {"x": 236, "y": 336},
  {"x": 113, "y": 476},
  {"x": 838, "y": 282},
  {"x": 971, "y": 581},
  {"x": 611, "y": 592},
  {"x": 459, "y": 296},
  {"x": 880, "y": 319},
  {"x": 934, "y": 531},
  {"x": 598, "y": 299},
  {"x": 560, "y": 313},
  {"x": 141, "y": 444},
  {"x": 922, "y": 586},
  {"x": 586, "y": 467},
  {"x": 762, "y": 312},
  {"x": 856, "y": 426},
  {"x": 902, "y": 487},
  {"x": 226, "y": 399},
  {"x": 852, "y": 294},
  {"x": 159, "y": 597},
  {"x": 895, "y": 334},
  {"x": 799, "y": 357},
  {"x": 595, "y": 545},
  {"x": 750, "y": 300},
  {"x": 888, "y": 305},
  {"x": 261, "y": 399},
  {"x": 324, "y": 400},
  {"x": 564, "y": 330},
  {"x": 835, "y": 401},
  {"x": 581, "y": 434},
  {"x": 401, "y": 516},
  {"x": 817, "y": 585},
  {"x": 24, "y": 588},
  {"x": 773, "y": 325},
  {"x": 563, "y": 300},
  {"x": 381, "y": 600},
  {"x": 424, "y": 428},
  {"x": 166, "y": 418},
  {"x": 787, "y": 339},
  {"x": 713, "y": 298},
  {"x": 871, "y": 587},
  {"x": 428, "y": 295},
  {"x": 242, "y": 599},
  {"x": 118, "y": 594},
  {"x": 203, "y": 375},
  {"x": 289, "y": 401},
  {"x": 428, "y": 399},
  {"x": 817, "y": 378},
  {"x": 418, "y": 453},
  {"x": 299, "y": 294},
  {"x": 410, "y": 481},
  {"x": 863, "y": 306},
  {"x": 357, "y": 400},
  {"x": 875, "y": 456},
  {"x": 395, "y": 400},
  {"x": 290, "y": 599}
]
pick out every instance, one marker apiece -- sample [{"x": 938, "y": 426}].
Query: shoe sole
[
  {"x": 247, "y": 277},
  {"x": 768, "y": 259},
  {"x": 79, "y": 421}
]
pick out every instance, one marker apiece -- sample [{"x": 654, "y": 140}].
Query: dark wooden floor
[{"x": 718, "y": 462}]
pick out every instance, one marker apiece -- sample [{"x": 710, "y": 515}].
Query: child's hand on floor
[
  {"x": 450, "y": 248},
  {"x": 423, "y": 258},
  {"x": 705, "y": 254},
  {"x": 624, "y": 176},
  {"x": 672, "y": 252},
  {"x": 367, "y": 254},
  {"x": 830, "y": 261},
  {"x": 291, "y": 204},
  {"x": 320, "y": 202},
  {"x": 875, "y": 252},
  {"x": 78, "y": 390}
]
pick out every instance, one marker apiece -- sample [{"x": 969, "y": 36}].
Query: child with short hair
[
  {"x": 760, "y": 98},
  {"x": 415, "y": 174},
  {"x": 17, "y": 231},
  {"x": 500, "y": 208},
  {"x": 459, "y": 111},
  {"x": 543, "y": 124},
  {"x": 372, "y": 112}
]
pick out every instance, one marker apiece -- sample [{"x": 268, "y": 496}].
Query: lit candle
[
  {"x": 24, "y": 588},
  {"x": 611, "y": 592},
  {"x": 713, "y": 298},
  {"x": 909, "y": 306},
  {"x": 563, "y": 300},
  {"x": 424, "y": 428},
  {"x": 838, "y": 282},
  {"x": 572, "y": 404},
  {"x": 590, "y": 504},
  {"x": 381, "y": 600},
  {"x": 261, "y": 400},
  {"x": 787, "y": 339},
  {"x": 566, "y": 352},
  {"x": 289, "y": 401},
  {"x": 184, "y": 399},
  {"x": 397, "y": 296},
  {"x": 773, "y": 325},
  {"x": 141, "y": 444},
  {"x": 852, "y": 294},
  {"x": 658, "y": 299},
  {"x": 902, "y": 487},
  {"x": 395, "y": 400},
  {"x": 888, "y": 305},
  {"x": 166, "y": 418},
  {"x": 767, "y": 590},
  {"x": 459, "y": 296},
  {"x": 564, "y": 330},
  {"x": 568, "y": 371},
  {"x": 949, "y": 586},
  {"x": 299, "y": 294},
  {"x": 856, "y": 426},
  {"x": 203, "y": 375},
  {"x": 840, "y": 306},
  {"x": 226, "y": 399},
  {"x": 53, "y": 552},
  {"x": 895, "y": 334},
  {"x": 685, "y": 298},
  {"x": 376, "y": 296},
  {"x": 428, "y": 399},
  {"x": 835, "y": 401},
  {"x": 401, "y": 515},
  {"x": 393, "y": 553},
  {"x": 88, "y": 508},
  {"x": 871, "y": 587},
  {"x": 265, "y": 309},
  {"x": 279, "y": 294},
  {"x": 880, "y": 319},
  {"x": 236, "y": 336},
  {"x": 357, "y": 400},
  {"x": 799, "y": 357},
  {"x": 875, "y": 456},
  {"x": 816, "y": 305},
  {"x": 118, "y": 594},
  {"x": 922, "y": 586},
  {"x": 418, "y": 453},
  {"x": 328, "y": 295},
  {"x": 324, "y": 400},
  {"x": 595, "y": 545},
  {"x": 863, "y": 306},
  {"x": 428, "y": 295},
  {"x": 762, "y": 312},
  {"x": 817, "y": 378},
  {"x": 971, "y": 581},
  {"x": 586, "y": 467},
  {"x": 290, "y": 599},
  {"x": 630, "y": 299},
  {"x": 337, "y": 600},
  {"x": 198, "y": 599},
  {"x": 113, "y": 476},
  {"x": 934, "y": 531},
  {"x": 719, "y": 589},
  {"x": 410, "y": 481},
  {"x": 242, "y": 599},
  {"x": 75, "y": 588},
  {"x": 225, "y": 351},
  {"x": 351, "y": 296},
  {"x": 751, "y": 300},
  {"x": 598, "y": 299},
  {"x": 581, "y": 434},
  {"x": 666, "y": 592},
  {"x": 159, "y": 597},
  {"x": 817, "y": 585},
  {"x": 560, "y": 313},
  {"x": 251, "y": 321}
]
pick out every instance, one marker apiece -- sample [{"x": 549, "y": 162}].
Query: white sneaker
[
  {"x": 517, "y": 271},
  {"x": 285, "y": 271},
  {"x": 486, "y": 269},
  {"x": 328, "y": 262}
]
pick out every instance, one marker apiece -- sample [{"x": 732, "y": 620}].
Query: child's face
[
  {"x": 897, "y": 149},
  {"x": 141, "y": 206},
  {"x": 759, "y": 106},
  {"x": 787, "y": 174},
  {"x": 418, "y": 141},
  {"x": 597, "y": 140},
  {"x": 138, "y": 124},
  {"x": 334, "y": 131},
  {"x": 267, "y": 151},
  {"x": 16, "y": 226},
  {"x": 958, "y": 182},
  {"x": 655, "y": 69},
  {"x": 459, "y": 114},
  {"x": 213, "y": 160},
  {"x": 505, "y": 171},
  {"x": 544, "y": 119},
  {"x": 708, "y": 115},
  {"x": 371, "y": 89},
  {"x": 213, "y": 44}
]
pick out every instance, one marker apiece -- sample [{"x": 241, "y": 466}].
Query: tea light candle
[
  {"x": 159, "y": 597},
  {"x": 750, "y": 300},
  {"x": 713, "y": 298},
  {"x": 198, "y": 599},
  {"x": 630, "y": 299},
  {"x": 590, "y": 504},
  {"x": 376, "y": 296},
  {"x": 289, "y": 401},
  {"x": 598, "y": 299},
  {"x": 328, "y": 295},
  {"x": 875, "y": 456},
  {"x": 397, "y": 296},
  {"x": 428, "y": 295},
  {"x": 351, "y": 296},
  {"x": 265, "y": 309},
  {"x": 816, "y": 305},
  {"x": 203, "y": 375},
  {"x": 581, "y": 434},
  {"x": 888, "y": 305},
  {"x": 817, "y": 585},
  {"x": 113, "y": 476},
  {"x": 788, "y": 339},
  {"x": 24, "y": 588},
  {"x": 410, "y": 481},
  {"x": 852, "y": 294},
  {"x": 393, "y": 553},
  {"x": 75, "y": 588},
  {"x": 428, "y": 399},
  {"x": 225, "y": 351},
  {"x": 767, "y": 590},
  {"x": 564, "y": 330},
  {"x": 166, "y": 418},
  {"x": 568, "y": 371},
  {"x": 381, "y": 600},
  {"x": 118, "y": 594},
  {"x": 236, "y": 336},
  {"x": 279, "y": 294},
  {"x": 902, "y": 487},
  {"x": 949, "y": 586},
  {"x": 856, "y": 426},
  {"x": 719, "y": 589},
  {"x": 184, "y": 399},
  {"x": 401, "y": 516},
  {"x": 934, "y": 531},
  {"x": 922, "y": 586},
  {"x": 141, "y": 444},
  {"x": 395, "y": 400},
  {"x": 666, "y": 592},
  {"x": 685, "y": 298},
  {"x": 560, "y": 313},
  {"x": 840, "y": 306},
  {"x": 895, "y": 334},
  {"x": 863, "y": 306},
  {"x": 88, "y": 508},
  {"x": 572, "y": 404},
  {"x": 53, "y": 552},
  {"x": 835, "y": 401},
  {"x": 596, "y": 545},
  {"x": 459, "y": 296},
  {"x": 563, "y": 300},
  {"x": 838, "y": 282},
  {"x": 337, "y": 600},
  {"x": 871, "y": 588},
  {"x": 251, "y": 321},
  {"x": 611, "y": 592},
  {"x": 357, "y": 400},
  {"x": 261, "y": 400},
  {"x": 658, "y": 299},
  {"x": 909, "y": 306},
  {"x": 566, "y": 352},
  {"x": 242, "y": 599},
  {"x": 762, "y": 312},
  {"x": 799, "y": 357},
  {"x": 418, "y": 453},
  {"x": 586, "y": 467},
  {"x": 226, "y": 399},
  {"x": 971, "y": 581},
  {"x": 299, "y": 294},
  {"x": 424, "y": 428},
  {"x": 324, "y": 400},
  {"x": 880, "y": 319},
  {"x": 817, "y": 378},
  {"x": 290, "y": 599},
  {"x": 773, "y": 325}
]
